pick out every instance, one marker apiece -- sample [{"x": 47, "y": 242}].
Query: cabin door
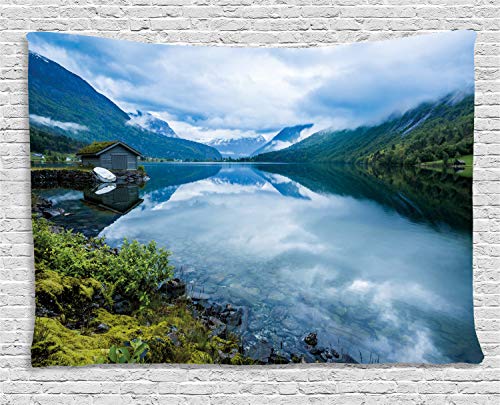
[{"x": 119, "y": 162}]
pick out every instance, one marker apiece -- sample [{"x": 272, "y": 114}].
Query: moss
[
  {"x": 95, "y": 147},
  {"x": 56, "y": 345},
  {"x": 70, "y": 299},
  {"x": 199, "y": 357},
  {"x": 239, "y": 359},
  {"x": 75, "y": 280}
]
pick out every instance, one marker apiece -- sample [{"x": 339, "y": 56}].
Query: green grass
[
  {"x": 468, "y": 159},
  {"x": 36, "y": 158},
  {"x": 438, "y": 165},
  {"x": 95, "y": 147}
]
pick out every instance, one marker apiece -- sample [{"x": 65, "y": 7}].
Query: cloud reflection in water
[{"x": 356, "y": 272}]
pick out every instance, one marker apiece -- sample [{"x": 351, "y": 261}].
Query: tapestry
[{"x": 249, "y": 205}]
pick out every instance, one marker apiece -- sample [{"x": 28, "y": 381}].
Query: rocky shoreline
[{"x": 222, "y": 320}]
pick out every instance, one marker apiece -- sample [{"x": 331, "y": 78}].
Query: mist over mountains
[
  {"x": 434, "y": 130},
  {"x": 237, "y": 147},
  {"x": 283, "y": 139},
  {"x": 151, "y": 123},
  {"x": 62, "y": 103}
]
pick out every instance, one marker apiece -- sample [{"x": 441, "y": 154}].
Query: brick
[{"x": 262, "y": 23}]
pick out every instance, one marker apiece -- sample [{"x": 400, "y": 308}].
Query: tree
[{"x": 445, "y": 158}]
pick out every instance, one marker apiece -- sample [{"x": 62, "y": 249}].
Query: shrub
[
  {"x": 75, "y": 278},
  {"x": 138, "y": 270},
  {"x": 134, "y": 271}
]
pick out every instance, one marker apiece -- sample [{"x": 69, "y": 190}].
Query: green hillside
[
  {"x": 432, "y": 131},
  {"x": 43, "y": 141},
  {"x": 59, "y": 95}
]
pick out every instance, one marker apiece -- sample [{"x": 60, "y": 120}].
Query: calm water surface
[{"x": 378, "y": 264}]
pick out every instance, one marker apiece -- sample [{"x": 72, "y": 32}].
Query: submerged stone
[{"x": 311, "y": 339}]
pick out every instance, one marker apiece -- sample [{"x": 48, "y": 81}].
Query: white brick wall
[{"x": 256, "y": 22}]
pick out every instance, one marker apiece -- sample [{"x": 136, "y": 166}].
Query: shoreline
[{"x": 221, "y": 321}]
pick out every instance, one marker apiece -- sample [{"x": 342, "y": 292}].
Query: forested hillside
[
  {"x": 432, "y": 131},
  {"x": 65, "y": 104},
  {"x": 42, "y": 141}
]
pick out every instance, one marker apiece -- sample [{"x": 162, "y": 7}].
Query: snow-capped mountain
[
  {"x": 237, "y": 147},
  {"x": 149, "y": 122},
  {"x": 283, "y": 139}
]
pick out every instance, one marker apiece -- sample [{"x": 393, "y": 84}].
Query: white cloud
[
  {"x": 204, "y": 134},
  {"x": 49, "y": 122},
  {"x": 255, "y": 90}
]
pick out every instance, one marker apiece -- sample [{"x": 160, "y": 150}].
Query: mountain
[
  {"x": 41, "y": 141},
  {"x": 432, "y": 131},
  {"x": 150, "y": 123},
  {"x": 237, "y": 148},
  {"x": 62, "y": 103},
  {"x": 283, "y": 139}
]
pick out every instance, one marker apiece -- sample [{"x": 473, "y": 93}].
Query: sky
[{"x": 230, "y": 92}]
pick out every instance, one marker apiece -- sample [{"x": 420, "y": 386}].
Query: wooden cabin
[{"x": 112, "y": 155}]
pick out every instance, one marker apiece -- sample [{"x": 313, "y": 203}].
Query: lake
[{"x": 377, "y": 263}]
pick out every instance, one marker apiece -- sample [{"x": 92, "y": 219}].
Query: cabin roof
[{"x": 97, "y": 148}]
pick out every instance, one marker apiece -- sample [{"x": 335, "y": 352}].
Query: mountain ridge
[
  {"x": 237, "y": 147},
  {"x": 431, "y": 131},
  {"x": 286, "y": 136},
  {"x": 149, "y": 122},
  {"x": 59, "y": 95}
]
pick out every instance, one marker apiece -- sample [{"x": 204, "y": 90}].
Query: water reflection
[
  {"x": 379, "y": 264},
  {"x": 119, "y": 198}
]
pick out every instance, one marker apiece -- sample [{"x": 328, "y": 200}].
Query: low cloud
[
  {"x": 49, "y": 122},
  {"x": 262, "y": 90},
  {"x": 204, "y": 134}
]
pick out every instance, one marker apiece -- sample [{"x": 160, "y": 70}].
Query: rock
[
  {"x": 215, "y": 322},
  {"x": 198, "y": 296},
  {"x": 220, "y": 330},
  {"x": 174, "y": 338},
  {"x": 76, "y": 178},
  {"x": 234, "y": 318},
  {"x": 277, "y": 358},
  {"x": 52, "y": 212},
  {"x": 316, "y": 351},
  {"x": 121, "y": 305},
  {"x": 226, "y": 357},
  {"x": 173, "y": 288},
  {"x": 311, "y": 339},
  {"x": 348, "y": 359},
  {"x": 326, "y": 355},
  {"x": 260, "y": 351},
  {"x": 102, "y": 328},
  {"x": 297, "y": 359}
]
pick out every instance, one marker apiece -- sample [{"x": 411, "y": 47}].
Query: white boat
[
  {"x": 104, "y": 188},
  {"x": 104, "y": 175}
]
